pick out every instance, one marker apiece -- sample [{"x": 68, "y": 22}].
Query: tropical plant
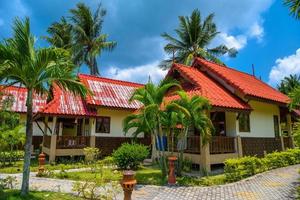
[
  {"x": 150, "y": 115},
  {"x": 194, "y": 37},
  {"x": 60, "y": 34},
  {"x": 89, "y": 42},
  {"x": 193, "y": 113},
  {"x": 289, "y": 83},
  {"x": 37, "y": 70},
  {"x": 294, "y": 6}
]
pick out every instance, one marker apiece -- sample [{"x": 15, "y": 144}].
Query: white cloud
[
  {"x": 230, "y": 41},
  {"x": 257, "y": 31},
  {"x": 138, "y": 74},
  {"x": 284, "y": 67}
]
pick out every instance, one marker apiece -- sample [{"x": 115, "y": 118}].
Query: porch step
[{"x": 147, "y": 162}]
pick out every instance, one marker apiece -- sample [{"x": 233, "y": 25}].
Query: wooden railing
[
  {"x": 193, "y": 144},
  {"x": 222, "y": 144},
  {"x": 72, "y": 142},
  {"x": 47, "y": 141}
]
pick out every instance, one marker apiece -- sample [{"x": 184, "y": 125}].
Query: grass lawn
[
  {"x": 18, "y": 167},
  {"x": 15, "y": 195},
  {"x": 145, "y": 175}
]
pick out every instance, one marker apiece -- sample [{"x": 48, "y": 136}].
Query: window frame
[
  {"x": 103, "y": 118},
  {"x": 244, "y": 129},
  {"x": 276, "y": 126}
]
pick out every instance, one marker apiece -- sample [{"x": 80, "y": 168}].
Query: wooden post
[
  {"x": 239, "y": 146},
  {"x": 92, "y": 141},
  {"x": 282, "y": 143},
  {"x": 290, "y": 128},
  {"x": 54, "y": 125},
  {"x": 52, "y": 148},
  {"x": 205, "y": 156}
]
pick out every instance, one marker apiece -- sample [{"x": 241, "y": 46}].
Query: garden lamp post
[
  {"x": 42, "y": 159},
  {"x": 128, "y": 184},
  {"x": 171, "y": 177}
]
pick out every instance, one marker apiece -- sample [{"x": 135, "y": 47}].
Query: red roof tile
[
  {"x": 245, "y": 83},
  {"x": 206, "y": 87},
  {"x": 19, "y": 95},
  {"x": 109, "y": 92},
  {"x": 66, "y": 103}
]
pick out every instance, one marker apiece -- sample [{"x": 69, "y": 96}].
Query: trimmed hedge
[{"x": 239, "y": 168}]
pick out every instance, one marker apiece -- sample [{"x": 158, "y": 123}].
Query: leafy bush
[
  {"x": 129, "y": 156},
  {"x": 91, "y": 154},
  {"x": 9, "y": 157},
  {"x": 237, "y": 169}
]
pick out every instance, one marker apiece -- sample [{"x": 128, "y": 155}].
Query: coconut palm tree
[
  {"x": 35, "y": 69},
  {"x": 294, "y": 6},
  {"x": 60, "y": 34},
  {"x": 193, "y": 113},
  {"x": 193, "y": 39},
  {"x": 88, "y": 40},
  {"x": 289, "y": 83},
  {"x": 149, "y": 117}
]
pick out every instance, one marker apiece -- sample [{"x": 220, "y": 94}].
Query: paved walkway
[{"x": 278, "y": 184}]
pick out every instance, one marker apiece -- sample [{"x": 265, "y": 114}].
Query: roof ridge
[
  {"x": 110, "y": 79},
  {"x": 227, "y": 67}
]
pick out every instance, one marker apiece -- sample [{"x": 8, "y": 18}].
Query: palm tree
[
  {"x": 88, "y": 39},
  {"x": 194, "y": 37},
  {"x": 149, "y": 118},
  {"x": 35, "y": 69},
  {"x": 289, "y": 83},
  {"x": 60, "y": 34},
  {"x": 294, "y": 6},
  {"x": 193, "y": 111}
]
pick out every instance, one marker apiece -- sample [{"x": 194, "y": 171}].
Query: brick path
[{"x": 278, "y": 184}]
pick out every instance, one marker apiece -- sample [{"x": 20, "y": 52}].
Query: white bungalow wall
[
  {"x": 116, "y": 122},
  {"x": 261, "y": 120}
]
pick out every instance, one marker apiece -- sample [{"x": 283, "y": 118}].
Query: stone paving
[{"x": 278, "y": 184}]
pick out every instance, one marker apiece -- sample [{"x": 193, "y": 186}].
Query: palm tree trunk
[{"x": 28, "y": 142}]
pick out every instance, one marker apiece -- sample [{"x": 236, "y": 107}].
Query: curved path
[{"x": 278, "y": 184}]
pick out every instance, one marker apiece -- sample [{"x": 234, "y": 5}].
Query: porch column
[
  {"x": 282, "y": 143},
  {"x": 290, "y": 128},
  {"x": 205, "y": 156},
  {"x": 52, "y": 148},
  {"x": 46, "y": 125},
  {"x": 239, "y": 146},
  {"x": 54, "y": 125},
  {"x": 92, "y": 133}
]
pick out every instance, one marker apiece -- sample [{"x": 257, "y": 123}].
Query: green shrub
[
  {"x": 129, "y": 156},
  {"x": 9, "y": 157},
  {"x": 239, "y": 168}
]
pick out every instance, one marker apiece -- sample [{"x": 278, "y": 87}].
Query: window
[
  {"x": 103, "y": 125},
  {"x": 244, "y": 122},
  {"x": 276, "y": 125}
]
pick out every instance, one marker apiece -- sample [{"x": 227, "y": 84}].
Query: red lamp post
[
  {"x": 128, "y": 183},
  {"x": 42, "y": 158},
  {"x": 171, "y": 177}
]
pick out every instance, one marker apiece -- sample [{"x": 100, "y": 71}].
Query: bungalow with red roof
[{"x": 247, "y": 114}]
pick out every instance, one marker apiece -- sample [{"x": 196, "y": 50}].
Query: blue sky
[{"x": 261, "y": 30}]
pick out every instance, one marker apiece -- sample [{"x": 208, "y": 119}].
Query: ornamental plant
[{"x": 130, "y": 156}]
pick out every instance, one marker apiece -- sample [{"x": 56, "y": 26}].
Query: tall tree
[
  {"x": 193, "y": 39},
  {"x": 149, "y": 119},
  {"x": 89, "y": 41},
  {"x": 60, "y": 34},
  {"x": 289, "y": 83},
  {"x": 294, "y": 6},
  {"x": 36, "y": 69},
  {"x": 193, "y": 111}
]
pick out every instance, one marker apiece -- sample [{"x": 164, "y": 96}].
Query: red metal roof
[
  {"x": 109, "y": 92},
  {"x": 19, "y": 95},
  {"x": 66, "y": 103},
  {"x": 245, "y": 83},
  {"x": 206, "y": 87}
]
